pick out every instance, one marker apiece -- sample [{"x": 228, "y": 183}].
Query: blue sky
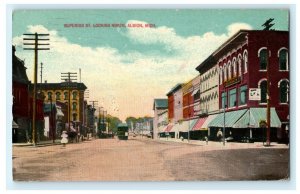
[{"x": 125, "y": 68}]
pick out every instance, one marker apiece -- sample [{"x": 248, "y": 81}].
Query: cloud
[{"x": 125, "y": 84}]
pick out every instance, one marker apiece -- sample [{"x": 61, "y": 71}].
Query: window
[
  {"x": 283, "y": 89},
  {"x": 263, "y": 54},
  {"x": 57, "y": 96},
  {"x": 74, "y": 95},
  {"x": 224, "y": 99},
  {"x": 49, "y": 95},
  {"x": 66, "y": 95},
  {"x": 74, "y": 107},
  {"x": 243, "y": 95},
  {"x": 229, "y": 70},
  {"x": 245, "y": 59},
  {"x": 234, "y": 67},
  {"x": 240, "y": 64},
  {"x": 221, "y": 75},
  {"x": 232, "y": 97},
  {"x": 197, "y": 95},
  {"x": 225, "y": 72},
  {"x": 283, "y": 59},
  {"x": 263, "y": 92},
  {"x": 74, "y": 117}
]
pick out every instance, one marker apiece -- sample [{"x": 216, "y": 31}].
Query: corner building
[{"x": 243, "y": 63}]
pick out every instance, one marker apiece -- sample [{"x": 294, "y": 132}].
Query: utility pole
[
  {"x": 268, "y": 26},
  {"x": 35, "y": 37},
  {"x": 85, "y": 95},
  {"x": 68, "y": 78},
  {"x": 268, "y": 99},
  {"x": 94, "y": 103},
  {"x": 41, "y": 73}
]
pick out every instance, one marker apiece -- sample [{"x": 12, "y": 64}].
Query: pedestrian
[
  {"x": 64, "y": 139},
  {"x": 206, "y": 140},
  {"x": 219, "y": 135}
]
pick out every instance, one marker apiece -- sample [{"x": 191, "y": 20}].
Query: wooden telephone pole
[
  {"x": 35, "y": 38},
  {"x": 68, "y": 78}
]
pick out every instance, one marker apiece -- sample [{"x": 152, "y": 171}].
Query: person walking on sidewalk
[{"x": 219, "y": 135}]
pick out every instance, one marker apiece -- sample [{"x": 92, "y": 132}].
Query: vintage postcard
[{"x": 150, "y": 94}]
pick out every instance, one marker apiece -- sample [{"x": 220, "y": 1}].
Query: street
[{"x": 142, "y": 159}]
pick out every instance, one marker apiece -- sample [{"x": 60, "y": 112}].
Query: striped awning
[
  {"x": 208, "y": 120},
  {"x": 253, "y": 116},
  {"x": 198, "y": 125},
  {"x": 230, "y": 118}
]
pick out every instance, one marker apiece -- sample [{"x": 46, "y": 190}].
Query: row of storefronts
[{"x": 221, "y": 96}]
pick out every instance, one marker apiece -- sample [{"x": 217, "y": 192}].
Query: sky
[{"x": 126, "y": 68}]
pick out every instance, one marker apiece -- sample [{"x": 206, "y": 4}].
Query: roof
[
  {"x": 63, "y": 85},
  {"x": 19, "y": 69},
  {"x": 160, "y": 103},
  {"x": 174, "y": 89},
  {"x": 239, "y": 36}
]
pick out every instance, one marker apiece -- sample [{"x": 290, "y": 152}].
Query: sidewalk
[
  {"x": 227, "y": 144},
  {"x": 39, "y": 144}
]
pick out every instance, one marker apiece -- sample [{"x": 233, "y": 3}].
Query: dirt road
[{"x": 147, "y": 160}]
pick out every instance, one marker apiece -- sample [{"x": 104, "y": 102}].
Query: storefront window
[
  {"x": 232, "y": 97},
  {"x": 224, "y": 99},
  {"x": 243, "y": 95}
]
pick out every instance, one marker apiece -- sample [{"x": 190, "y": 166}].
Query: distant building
[
  {"x": 159, "y": 106},
  {"x": 58, "y": 92}
]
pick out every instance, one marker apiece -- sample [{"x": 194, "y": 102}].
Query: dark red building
[
  {"x": 22, "y": 102},
  {"x": 244, "y": 61}
]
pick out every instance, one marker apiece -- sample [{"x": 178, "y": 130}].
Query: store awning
[
  {"x": 198, "y": 125},
  {"x": 208, "y": 120},
  {"x": 253, "y": 116},
  {"x": 192, "y": 123},
  {"x": 230, "y": 118},
  {"x": 168, "y": 128},
  {"x": 15, "y": 125}
]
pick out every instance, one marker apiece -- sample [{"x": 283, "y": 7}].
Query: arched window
[
  {"x": 245, "y": 60},
  {"x": 57, "y": 96},
  {"x": 74, "y": 106},
  {"x": 74, "y": 95},
  {"x": 283, "y": 59},
  {"x": 263, "y": 91},
  {"x": 240, "y": 64},
  {"x": 65, "y": 95},
  {"x": 221, "y": 75},
  {"x": 225, "y": 72},
  {"x": 49, "y": 95},
  {"x": 283, "y": 91},
  {"x": 234, "y": 67},
  {"x": 229, "y": 70},
  {"x": 263, "y": 57}
]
